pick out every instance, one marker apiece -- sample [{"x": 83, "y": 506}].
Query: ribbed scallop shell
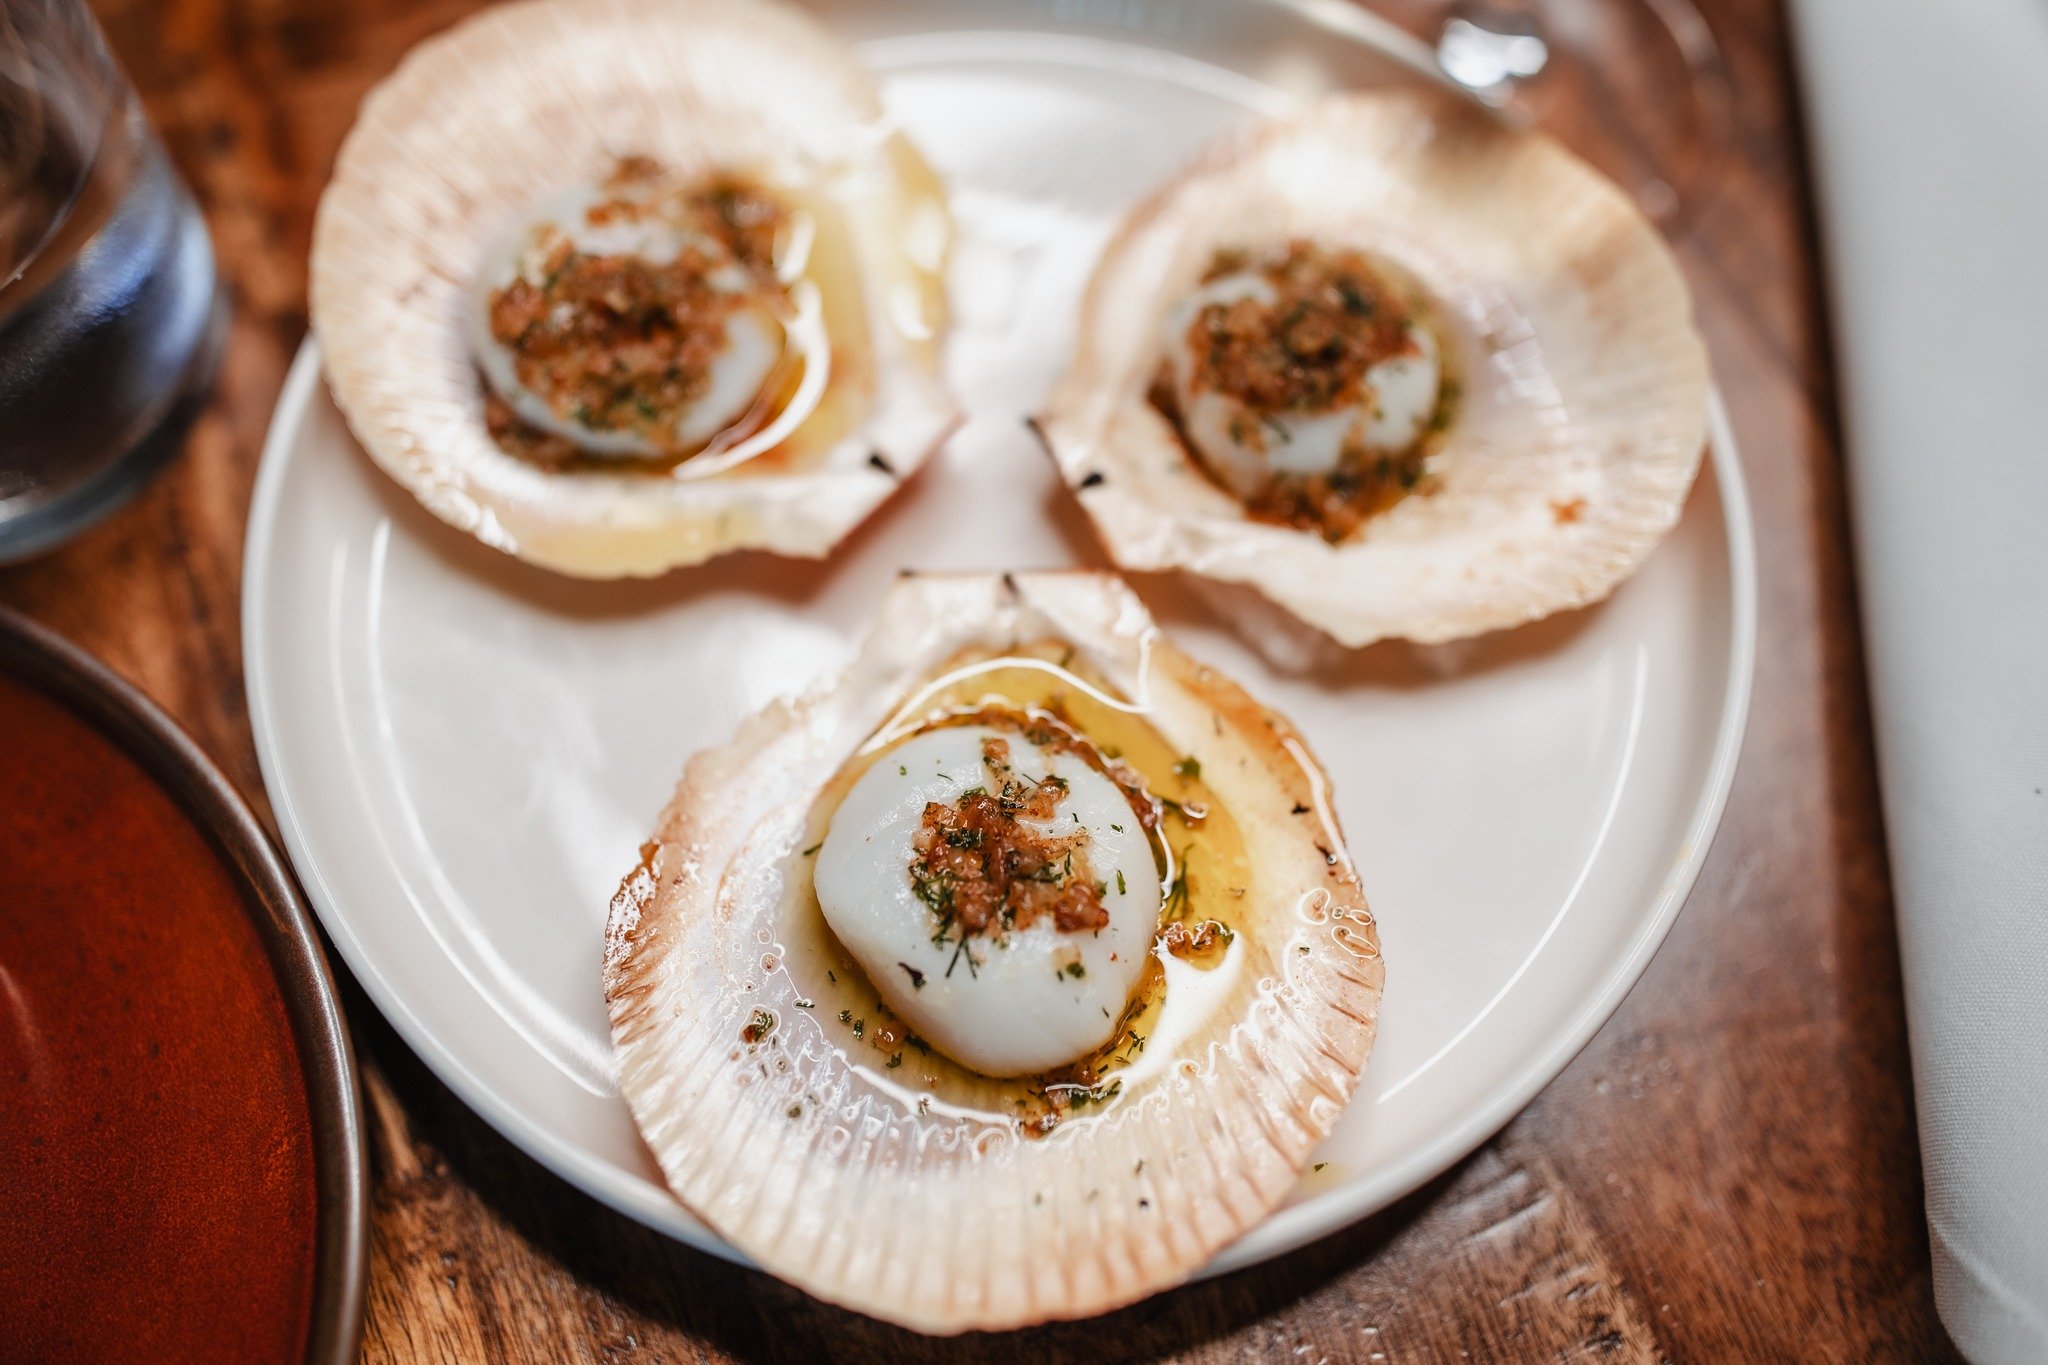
[
  {"x": 1585, "y": 384},
  {"x": 830, "y": 1177},
  {"x": 536, "y": 95}
]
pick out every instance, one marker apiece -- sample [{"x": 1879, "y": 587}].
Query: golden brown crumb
[
  {"x": 1308, "y": 349},
  {"x": 982, "y": 869},
  {"x": 1336, "y": 504},
  {"x": 620, "y": 343},
  {"x": 1335, "y": 315},
  {"x": 745, "y": 218},
  {"x": 614, "y": 343},
  {"x": 1194, "y": 941},
  {"x": 1053, "y": 732}
]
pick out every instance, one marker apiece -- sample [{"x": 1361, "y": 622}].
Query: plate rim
[
  {"x": 122, "y": 713},
  {"x": 1280, "y": 1232}
]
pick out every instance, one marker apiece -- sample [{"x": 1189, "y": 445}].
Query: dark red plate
[{"x": 182, "y": 1171}]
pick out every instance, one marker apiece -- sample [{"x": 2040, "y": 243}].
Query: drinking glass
[
  {"x": 1637, "y": 87},
  {"x": 110, "y": 318}
]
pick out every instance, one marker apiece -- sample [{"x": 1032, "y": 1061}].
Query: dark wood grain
[{"x": 1729, "y": 1172}]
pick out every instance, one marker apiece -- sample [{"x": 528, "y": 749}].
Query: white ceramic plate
[{"x": 464, "y": 754}]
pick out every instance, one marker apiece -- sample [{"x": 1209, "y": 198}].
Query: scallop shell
[
  {"x": 536, "y": 95},
  {"x": 830, "y": 1177},
  {"x": 1584, "y": 413}
]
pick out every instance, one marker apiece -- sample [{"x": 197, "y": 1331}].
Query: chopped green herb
[
  {"x": 813, "y": 849},
  {"x": 1188, "y": 769},
  {"x": 1176, "y": 901},
  {"x": 1079, "y": 1096},
  {"x": 760, "y": 1026},
  {"x": 916, "y": 976},
  {"x": 1121, "y": 889},
  {"x": 895, "y": 1060}
]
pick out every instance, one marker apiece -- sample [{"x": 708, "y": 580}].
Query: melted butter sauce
[{"x": 1203, "y": 870}]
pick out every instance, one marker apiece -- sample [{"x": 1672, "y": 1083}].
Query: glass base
[
  {"x": 105, "y": 357},
  {"x": 1637, "y": 87},
  {"x": 53, "y": 521}
]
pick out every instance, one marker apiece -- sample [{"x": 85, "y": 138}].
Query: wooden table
[{"x": 1729, "y": 1172}]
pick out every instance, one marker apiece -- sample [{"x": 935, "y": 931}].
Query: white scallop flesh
[
  {"x": 1033, "y": 998},
  {"x": 754, "y": 337},
  {"x": 1246, "y": 449}
]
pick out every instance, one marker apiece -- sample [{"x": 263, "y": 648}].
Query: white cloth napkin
[{"x": 1929, "y": 124}]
